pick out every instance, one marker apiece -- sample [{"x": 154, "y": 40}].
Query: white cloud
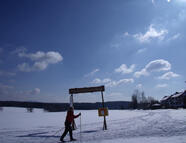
[
  {"x": 121, "y": 81},
  {"x": 41, "y": 60},
  {"x": 106, "y": 80},
  {"x": 50, "y": 57},
  {"x": 25, "y": 67},
  {"x": 33, "y": 56},
  {"x": 161, "y": 85},
  {"x": 99, "y": 81},
  {"x": 150, "y": 34},
  {"x": 153, "y": 1},
  {"x": 126, "y": 34},
  {"x": 92, "y": 73},
  {"x": 41, "y": 65},
  {"x": 141, "y": 50},
  {"x": 174, "y": 37},
  {"x": 169, "y": 75},
  {"x": 139, "y": 86},
  {"x": 124, "y": 69},
  {"x": 158, "y": 65},
  {"x": 154, "y": 66},
  {"x": 34, "y": 91},
  {"x": 110, "y": 83},
  {"x": 143, "y": 72}
]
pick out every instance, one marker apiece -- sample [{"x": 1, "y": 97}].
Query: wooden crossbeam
[{"x": 86, "y": 89}]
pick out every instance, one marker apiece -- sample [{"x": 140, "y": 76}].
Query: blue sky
[{"x": 47, "y": 47}]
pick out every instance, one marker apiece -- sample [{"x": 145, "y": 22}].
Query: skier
[{"x": 68, "y": 124}]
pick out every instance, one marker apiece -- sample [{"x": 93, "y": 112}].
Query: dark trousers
[{"x": 68, "y": 128}]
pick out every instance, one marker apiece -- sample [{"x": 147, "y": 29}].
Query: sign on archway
[{"x": 103, "y": 111}]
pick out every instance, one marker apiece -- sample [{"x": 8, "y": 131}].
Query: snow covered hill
[{"x": 128, "y": 126}]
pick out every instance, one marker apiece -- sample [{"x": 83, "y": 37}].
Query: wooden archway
[{"x": 88, "y": 90}]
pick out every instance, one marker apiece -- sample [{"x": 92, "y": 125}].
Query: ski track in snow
[{"x": 123, "y": 126}]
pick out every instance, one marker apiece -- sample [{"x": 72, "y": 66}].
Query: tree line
[{"x": 140, "y": 101}]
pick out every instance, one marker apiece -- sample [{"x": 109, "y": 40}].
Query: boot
[
  {"x": 61, "y": 139},
  {"x": 72, "y": 139}
]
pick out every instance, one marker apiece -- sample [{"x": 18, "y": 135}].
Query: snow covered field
[{"x": 124, "y": 126}]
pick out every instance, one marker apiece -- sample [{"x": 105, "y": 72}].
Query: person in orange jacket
[{"x": 68, "y": 124}]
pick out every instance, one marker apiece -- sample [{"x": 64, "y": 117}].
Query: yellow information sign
[{"x": 103, "y": 111}]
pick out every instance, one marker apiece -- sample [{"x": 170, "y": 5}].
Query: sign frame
[{"x": 87, "y": 90}]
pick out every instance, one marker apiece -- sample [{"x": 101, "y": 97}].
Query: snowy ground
[{"x": 124, "y": 126}]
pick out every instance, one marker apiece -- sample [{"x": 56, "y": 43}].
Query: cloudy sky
[{"x": 47, "y": 47}]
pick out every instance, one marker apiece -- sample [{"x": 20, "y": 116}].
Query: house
[
  {"x": 165, "y": 101},
  {"x": 176, "y": 100}
]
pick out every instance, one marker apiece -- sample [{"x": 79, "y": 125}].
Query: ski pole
[
  {"x": 52, "y": 134},
  {"x": 80, "y": 128}
]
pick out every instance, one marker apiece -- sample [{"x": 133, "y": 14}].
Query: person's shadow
[{"x": 39, "y": 135}]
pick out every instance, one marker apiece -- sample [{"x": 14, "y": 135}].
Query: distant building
[
  {"x": 155, "y": 106},
  {"x": 176, "y": 100}
]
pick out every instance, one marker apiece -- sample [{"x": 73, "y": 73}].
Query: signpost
[
  {"x": 103, "y": 111},
  {"x": 87, "y": 90}
]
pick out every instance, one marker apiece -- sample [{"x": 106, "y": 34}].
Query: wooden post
[
  {"x": 71, "y": 101},
  {"x": 104, "y": 122},
  {"x": 72, "y": 105}
]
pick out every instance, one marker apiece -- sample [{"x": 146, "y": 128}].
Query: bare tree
[
  {"x": 140, "y": 101},
  {"x": 135, "y": 100}
]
